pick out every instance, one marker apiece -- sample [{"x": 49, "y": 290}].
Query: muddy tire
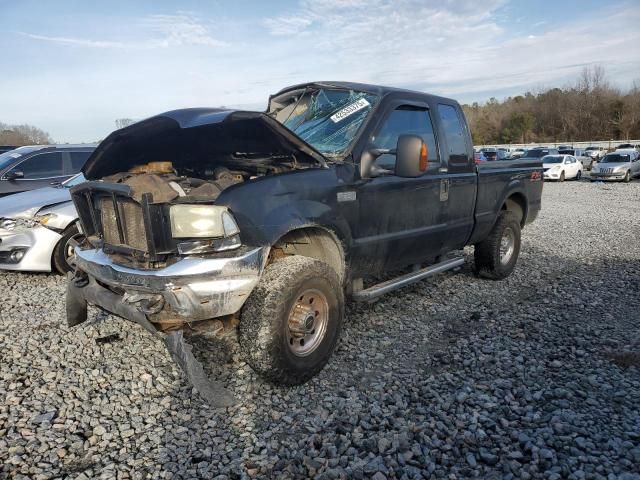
[
  {"x": 63, "y": 250},
  {"x": 496, "y": 256},
  {"x": 291, "y": 322}
]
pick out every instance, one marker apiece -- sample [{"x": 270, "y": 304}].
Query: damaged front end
[{"x": 159, "y": 251}]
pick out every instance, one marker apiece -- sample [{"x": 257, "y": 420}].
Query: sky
[{"x": 73, "y": 67}]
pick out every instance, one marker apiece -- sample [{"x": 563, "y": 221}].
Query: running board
[{"x": 380, "y": 289}]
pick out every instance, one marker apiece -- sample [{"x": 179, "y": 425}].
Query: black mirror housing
[
  {"x": 14, "y": 175},
  {"x": 411, "y": 155}
]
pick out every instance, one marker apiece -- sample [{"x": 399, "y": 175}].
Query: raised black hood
[{"x": 195, "y": 136}]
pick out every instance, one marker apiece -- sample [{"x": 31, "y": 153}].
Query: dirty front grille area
[{"x": 131, "y": 219}]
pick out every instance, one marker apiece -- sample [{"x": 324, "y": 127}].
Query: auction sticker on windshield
[{"x": 350, "y": 109}]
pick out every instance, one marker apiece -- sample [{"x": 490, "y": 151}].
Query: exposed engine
[{"x": 164, "y": 183}]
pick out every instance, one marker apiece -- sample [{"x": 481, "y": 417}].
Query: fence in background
[{"x": 608, "y": 144}]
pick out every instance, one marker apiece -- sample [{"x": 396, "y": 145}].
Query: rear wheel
[
  {"x": 291, "y": 322},
  {"x": 64, "y": 250},
  {"x": 627, "y": 177},
  {"x": 496, "y": 256},
  {"x": 579, "y": 175}
]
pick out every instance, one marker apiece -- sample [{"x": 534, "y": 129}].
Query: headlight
[
  {"x": 7, "y": 223},
  {"x": 46, "y": 218},
  {"x": 201, "y": 221},
  {"x": 555, "y": 168},
  {"x": 212, "y": 223},
  {"x": 17, "y": 223}
]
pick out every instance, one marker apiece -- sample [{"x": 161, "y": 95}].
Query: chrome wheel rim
[
  {"x": 70, "y": 247},
  {"x": 307, "y": 323},
  {"x": 507, "y": 245}
]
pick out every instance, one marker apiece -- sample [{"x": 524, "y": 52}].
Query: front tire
[
  {"x": 627, "y": 177},
  {"x": 63, "y": 251},
  {"x": 561, "y": 179},
  {"x": 291, "y": 322},
  {"x": 496, "y": 256}
]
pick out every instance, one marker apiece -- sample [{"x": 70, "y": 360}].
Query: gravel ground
[{"x": 537, "y": 376}]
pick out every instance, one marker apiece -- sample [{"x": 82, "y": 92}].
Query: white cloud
[
  {"x": 287, "y": 25},
  {"x": 76, "y": 41},
  {"x": 172, "y": 30},
  {"x": 182, "y": 29}
]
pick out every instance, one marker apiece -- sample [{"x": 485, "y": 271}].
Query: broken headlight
[{"x": 210, "y": 228}]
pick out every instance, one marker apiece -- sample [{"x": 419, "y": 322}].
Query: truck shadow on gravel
[{"x": 533, "y": 375}]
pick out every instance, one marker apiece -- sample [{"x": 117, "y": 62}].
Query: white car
[{"x": 561, "y": 167}]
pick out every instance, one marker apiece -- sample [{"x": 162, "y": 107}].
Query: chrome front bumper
[
  {"x": 191, "y": 289},
  {"x": 37, "y": 243}
]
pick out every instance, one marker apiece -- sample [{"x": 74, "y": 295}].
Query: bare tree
[
  {"x": 586, "y": 110},
  {"x": 124, "y": 122},
  {"x": 23, "y": 135}
]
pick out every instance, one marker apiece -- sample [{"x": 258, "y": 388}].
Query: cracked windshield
[{"x": 327, "y": 119}]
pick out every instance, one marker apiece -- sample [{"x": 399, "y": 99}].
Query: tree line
[
  {"x": 19, "y": 135},
  {"x": 589, "y": 109}
]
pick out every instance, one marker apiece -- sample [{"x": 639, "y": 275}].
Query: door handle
[
  {"x": 443, "y": 170},
  {"x": 444, "y": 189}
]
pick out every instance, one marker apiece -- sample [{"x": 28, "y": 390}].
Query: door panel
[
  {"x": 400, "y": 221},
  {"x": 458, "y": 210}
]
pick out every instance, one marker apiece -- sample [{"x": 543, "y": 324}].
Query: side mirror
[
  {"x": 14, "y": 175},
  {"x": 411, "y": 156}
]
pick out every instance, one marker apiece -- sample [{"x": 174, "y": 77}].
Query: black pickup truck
[{"x": 198, "y": 220}]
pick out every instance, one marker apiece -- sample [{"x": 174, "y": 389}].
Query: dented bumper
[{"x": 189, "y": 290}]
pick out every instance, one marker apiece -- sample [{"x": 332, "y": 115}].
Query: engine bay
[{"x": 168, "y": 184}]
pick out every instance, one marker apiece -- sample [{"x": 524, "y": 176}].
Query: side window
[
  {"x": 405, "y": 120},
  {"x": 45, "y": 165},
  {"x": 454, "y": 133},
  {"x": 78, "y": 160}
]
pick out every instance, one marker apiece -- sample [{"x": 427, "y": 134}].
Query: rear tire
[
  {"x": 64, "y": 251},
  {"x": 496, "y": 256},
  {"x": 579, "y": 175},
  {"x": 291, "y": 322}
]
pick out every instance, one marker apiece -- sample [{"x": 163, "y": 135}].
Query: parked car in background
[
  {"x": 596, "y": 153},
  {"x": 37, "y": 166},
  {"x": 579, "y": 154},
  {"x": 493, "y": 155},
  {"x": 561, "y": 167},
  {"x": 6, "y": 148},
  {"x": 38, "y": 229},
  {"x": 620, "y": 165},
  {"x": 517, "y": 153},
  {"x": 479, "y": 157},
  {"x": 538, "y": 152},
  {"x": 625, "y": 146}
]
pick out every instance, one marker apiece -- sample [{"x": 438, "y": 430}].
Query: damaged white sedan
[{"x": 39, "y": 229}]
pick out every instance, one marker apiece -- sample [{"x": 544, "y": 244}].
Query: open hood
[{"x": 195, "y": 137}]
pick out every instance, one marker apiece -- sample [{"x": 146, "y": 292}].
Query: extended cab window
[
  {"x": 405, "y": 120},
  {"x": 45, "y": 165},
  {"x": 454, "y": 133}
]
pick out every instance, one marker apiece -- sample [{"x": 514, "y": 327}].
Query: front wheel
[
  {"x": 64, "y": 250},
  {"x": 561, "y": 179},
  {"x": 627, "y": 177},
  {"x": 496, "y": 256},
  {"x": 291, "y": 322}
]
